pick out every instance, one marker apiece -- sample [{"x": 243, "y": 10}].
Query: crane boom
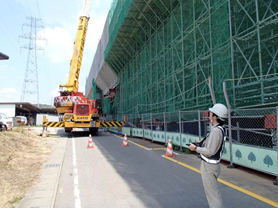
[
  {"x": 75, "y": 63},
  {"x": 86, "y": 8}
]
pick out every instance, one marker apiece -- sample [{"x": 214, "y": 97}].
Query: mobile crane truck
[{"x": 74, "y": 109}]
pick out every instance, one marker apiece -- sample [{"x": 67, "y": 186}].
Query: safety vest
[{"x": 215, "y": 159}]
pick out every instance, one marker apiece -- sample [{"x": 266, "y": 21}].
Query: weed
[
  {"x": 186, "y": 151},
  {"x": 16, "y": 199},
  {"x": 26, "y": 143},
  {"x": 33, "y": 151}
]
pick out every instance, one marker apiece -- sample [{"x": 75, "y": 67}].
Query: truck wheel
[
  {"x": 93, "y": 130},
  {"x": 68, "y": 130}
]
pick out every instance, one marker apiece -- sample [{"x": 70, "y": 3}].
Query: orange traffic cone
[
  {"x": 125, "y": 142},
  {"x": 169, "y": 151},
  {"x": 44, "y": 133},
  {"x": 8, "y": 127},
  {"x": 90, "y": 142},
  {"x": 29, "y": 129}
]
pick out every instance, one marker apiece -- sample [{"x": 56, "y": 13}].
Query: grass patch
[{"x": 15, "y": 200}]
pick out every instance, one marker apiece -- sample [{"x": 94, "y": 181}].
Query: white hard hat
[{"x": 220, "y": 110}]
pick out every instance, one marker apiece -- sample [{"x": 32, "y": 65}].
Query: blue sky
[{"x": 60, "y": 21}]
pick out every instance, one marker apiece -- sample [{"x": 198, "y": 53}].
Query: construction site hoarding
[{"x": 164, "y": 53}]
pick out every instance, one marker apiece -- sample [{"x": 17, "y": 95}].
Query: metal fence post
[
  {"x": 165, "y": 127},
  {"x": 229, "y": 125},
  {"x": 180, "y": 130},
  {"x": 143, "y": 126},
  {"x": 276, "y": 180},
  {"x": 230, "y": 139},
  {"x": 237, "y": 132},
  {"x": 199, "y": 125},
  {"x": 152, "y": 126}
]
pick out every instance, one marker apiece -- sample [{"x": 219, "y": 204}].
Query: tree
[
  {"x": 238, "y": 154},
  {"x": 268, "y": 161},
  {"x": 251, "y": 157}
]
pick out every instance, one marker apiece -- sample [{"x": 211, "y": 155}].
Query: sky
[{"x": 60, "y": 22}]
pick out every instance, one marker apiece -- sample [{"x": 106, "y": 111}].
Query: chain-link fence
[
  {"x": 252, "y": 127},
  {"x": 256, "y": 127}
]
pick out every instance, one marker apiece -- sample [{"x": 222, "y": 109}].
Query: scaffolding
[
  {"x": 165, "y": 51},
  {"x": 254, "y": 63}
]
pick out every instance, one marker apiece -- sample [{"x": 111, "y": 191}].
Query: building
[
  {"x": 32, "y": 112},
  {"x": 3, "y": 56}
]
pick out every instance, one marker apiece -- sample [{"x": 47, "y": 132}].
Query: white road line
[{"x": 77, "y": 201}]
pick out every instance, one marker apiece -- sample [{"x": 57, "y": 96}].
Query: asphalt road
[{"x": 111, "y": 175}]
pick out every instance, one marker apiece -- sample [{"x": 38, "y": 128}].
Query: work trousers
[{"x": 210, "y": 173}]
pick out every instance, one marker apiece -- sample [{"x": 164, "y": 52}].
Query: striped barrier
[
  {"x": 103, "y": 124},
  {"x": 111, "y": 123},
  {"x": 54, "y": 124}
]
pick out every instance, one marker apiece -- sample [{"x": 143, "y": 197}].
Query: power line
[
  {"x": 8, "y": 38},
  {"x": 29, "y": 7},
  {"x": 38, "y": 9},
  {"x": 16, "y": 47},
  {"x": 12, "y": 12},
  {"x": 8, "y": 29}
]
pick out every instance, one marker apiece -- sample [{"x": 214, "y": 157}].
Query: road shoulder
[{"x": 43, "y": 193}]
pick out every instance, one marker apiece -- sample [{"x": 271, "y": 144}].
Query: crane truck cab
[{"x": 83, "y": 115}]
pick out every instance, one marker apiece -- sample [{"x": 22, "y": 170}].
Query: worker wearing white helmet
[
  {"x": 220, "y": 111},
  {"x": 211, "y": 149}
]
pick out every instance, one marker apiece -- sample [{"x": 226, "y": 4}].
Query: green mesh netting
[{"x": 164, "y": 52}]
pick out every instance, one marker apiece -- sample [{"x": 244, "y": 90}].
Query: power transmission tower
[{"x": 30, "y": 90}]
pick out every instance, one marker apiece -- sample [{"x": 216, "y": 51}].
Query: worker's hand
[{"x": 192, "y": 147}]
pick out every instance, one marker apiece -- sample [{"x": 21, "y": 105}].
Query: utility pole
[{"x": 30, "y": 89}]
